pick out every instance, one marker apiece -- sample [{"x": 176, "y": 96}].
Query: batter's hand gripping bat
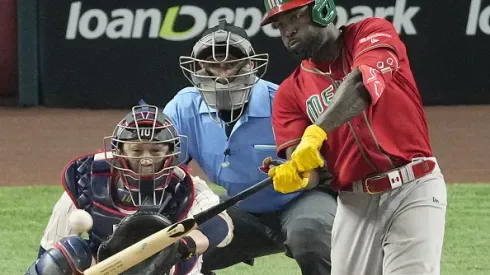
[{"x": 138, "y": 252}]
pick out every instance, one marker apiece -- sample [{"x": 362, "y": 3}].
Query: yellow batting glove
[
  {"x": 307, "y": 155},
  {"x": 286, "y": 178}
]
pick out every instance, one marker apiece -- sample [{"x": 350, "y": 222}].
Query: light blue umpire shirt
[{"x": 250, "y": 142}]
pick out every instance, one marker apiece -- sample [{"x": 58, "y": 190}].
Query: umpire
[{"x": 226, "y": 115}]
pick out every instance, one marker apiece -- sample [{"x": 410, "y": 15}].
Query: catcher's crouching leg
[{"x": 71, "y": 255}]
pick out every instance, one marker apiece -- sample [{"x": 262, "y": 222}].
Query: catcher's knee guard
[{"x": 71, "y": 255}]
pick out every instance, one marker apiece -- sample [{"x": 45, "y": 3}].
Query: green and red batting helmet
[{"x": 323, "y": 11}]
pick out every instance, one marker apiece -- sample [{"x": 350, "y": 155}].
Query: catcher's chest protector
[{"x": 98, "y": 196}]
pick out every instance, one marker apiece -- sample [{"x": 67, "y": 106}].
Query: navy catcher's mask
[{"x": 145, "y": 148}]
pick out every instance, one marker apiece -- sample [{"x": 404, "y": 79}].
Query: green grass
[{"x": 26, "y": 210}]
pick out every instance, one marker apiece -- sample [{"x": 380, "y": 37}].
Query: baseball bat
[{"x": 138, "y": 252}]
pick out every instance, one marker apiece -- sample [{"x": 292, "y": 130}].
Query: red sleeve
[
  {"x": 288, "y": 120},
  {"x": 377, "y": 53}
]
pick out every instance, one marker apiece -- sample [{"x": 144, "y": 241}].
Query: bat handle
[
  {"x": 252, "y": 190},
  {"x": 215, "y": 210}
]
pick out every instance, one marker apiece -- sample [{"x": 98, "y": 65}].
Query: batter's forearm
[{"x": 349, "y": 101}]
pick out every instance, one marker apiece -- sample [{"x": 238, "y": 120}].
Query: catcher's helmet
[
  {"x": 145, "y": 124},
  {"x": 323, "y": 11}
]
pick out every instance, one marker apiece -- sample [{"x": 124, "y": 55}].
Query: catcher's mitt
[{"x": 132, "y": 229}]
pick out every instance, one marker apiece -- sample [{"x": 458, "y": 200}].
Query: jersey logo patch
[{"x": 317, "y": 104}]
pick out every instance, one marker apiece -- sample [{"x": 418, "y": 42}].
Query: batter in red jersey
[{"x": 354, "y": 103}]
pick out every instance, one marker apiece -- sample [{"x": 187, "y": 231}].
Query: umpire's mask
[
  {"x": 223, "y": 66},
  {"x": 145, "y": 148}
]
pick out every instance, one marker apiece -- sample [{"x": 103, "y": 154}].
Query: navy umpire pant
[{"x": 303, "y": 230}]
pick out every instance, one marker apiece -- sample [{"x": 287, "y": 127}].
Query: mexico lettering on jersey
[{"x": 389, "y": 133}]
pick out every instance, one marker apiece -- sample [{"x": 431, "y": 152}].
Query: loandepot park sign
[{"x": 154, "y": 23}]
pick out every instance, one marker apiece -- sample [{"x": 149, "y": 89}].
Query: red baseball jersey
[{"x": 388, "y": 134}]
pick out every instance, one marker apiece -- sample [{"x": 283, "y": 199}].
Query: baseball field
[{"x": 37, "y": 142}]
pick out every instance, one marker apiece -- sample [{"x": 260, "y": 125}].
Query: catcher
[{"x": 131, "y": 190}]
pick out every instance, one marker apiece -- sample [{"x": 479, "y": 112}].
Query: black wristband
[{"x": 187, "y": 247}]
